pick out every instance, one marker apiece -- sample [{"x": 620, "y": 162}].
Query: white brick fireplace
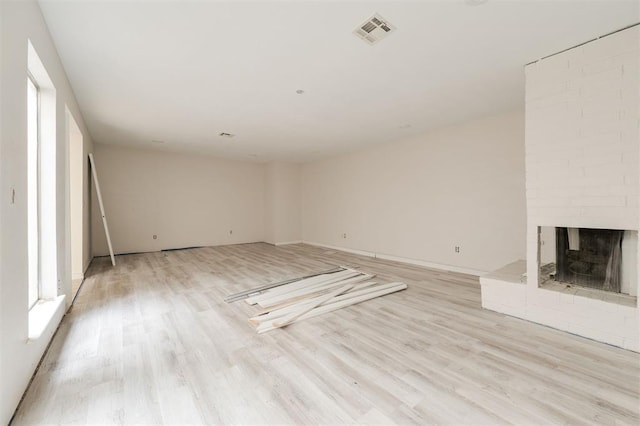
[{"x": 582, "y": 154}]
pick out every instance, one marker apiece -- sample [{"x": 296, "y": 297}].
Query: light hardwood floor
[{"x": 152, "y": 341}]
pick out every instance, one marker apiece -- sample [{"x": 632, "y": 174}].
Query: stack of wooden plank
[{"x": 310, "y": 297}]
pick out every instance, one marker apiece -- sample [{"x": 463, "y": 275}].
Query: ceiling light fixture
[{"x": 299, "y": 91}]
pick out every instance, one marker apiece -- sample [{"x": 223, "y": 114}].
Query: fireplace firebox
[{"x": 589, "y": 257}]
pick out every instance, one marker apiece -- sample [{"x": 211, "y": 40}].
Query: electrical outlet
[
  {"x": 344, "y": 235},
  {"x": 155, "y": 237},
  {"x": 457, "y": 249}
]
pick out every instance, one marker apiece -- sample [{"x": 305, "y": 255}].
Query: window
[
  {"x": 33, "y": 189},
  {"x": 41, "y": 166}
]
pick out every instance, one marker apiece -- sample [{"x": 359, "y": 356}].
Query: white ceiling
[{"x": 182, "y": 72}]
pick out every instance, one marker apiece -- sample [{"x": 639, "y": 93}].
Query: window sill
[{"x": 41, "y": 314}]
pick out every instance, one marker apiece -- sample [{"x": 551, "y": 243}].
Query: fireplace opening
[
  {"x": 589, "y": 257},
  {"x": 600, "y": 259}
]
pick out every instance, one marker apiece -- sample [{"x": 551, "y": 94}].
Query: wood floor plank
[{"x": 152, "y": 341}]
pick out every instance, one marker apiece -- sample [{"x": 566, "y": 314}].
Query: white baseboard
[
  {"x": 432, "y": 265},
  {"x": 345, "y": 249},
  {"x": 284, "y": 243},
  {"x": 77, "y": 276}
]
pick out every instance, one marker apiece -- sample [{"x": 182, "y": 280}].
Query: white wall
[
  {"x": 185, "y": 199},
  {"x": 582, "y": 135},
  {"x": 458, "y": 186},
  {"x": 77, "y": 184},
  {"x": 20, "y": 21},
  {"x": 282, "y": 203}
]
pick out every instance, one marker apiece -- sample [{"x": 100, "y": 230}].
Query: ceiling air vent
[{"x": 374, "y": 29}]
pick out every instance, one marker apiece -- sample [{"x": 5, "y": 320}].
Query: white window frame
[
  {"x": 51, "y": 298},
  {"x": 49, "y": 283},
  {"x": 33, "y": 191}
]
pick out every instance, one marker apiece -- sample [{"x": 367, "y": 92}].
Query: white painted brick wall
[
  {"x": 582, "y": 134},
  {"x": 582, "y": 170}
]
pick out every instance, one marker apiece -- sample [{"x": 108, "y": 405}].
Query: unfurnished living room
[{"x": 319, "y": 212}]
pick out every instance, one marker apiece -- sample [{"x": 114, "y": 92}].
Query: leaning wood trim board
[{"x": 94, "y": 173}]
